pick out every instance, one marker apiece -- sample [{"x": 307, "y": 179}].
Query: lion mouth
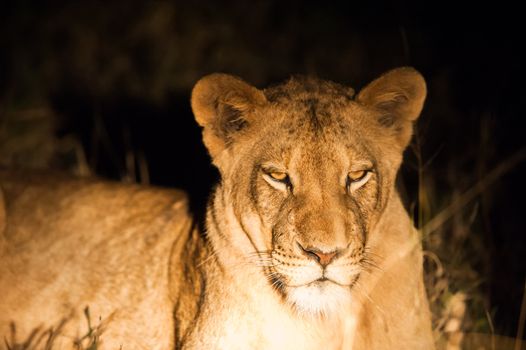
[
  {"x": 322, "y": 282},
  {"x": 325, "y": 281},
  {"x": 322, "y": 296}
]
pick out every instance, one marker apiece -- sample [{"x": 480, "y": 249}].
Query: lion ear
[
  {"x": 224, "y": 106},
  {"x": 399, "y": 97}
]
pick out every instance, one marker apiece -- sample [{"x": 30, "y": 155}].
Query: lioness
[{"x": 307, "y": 244}]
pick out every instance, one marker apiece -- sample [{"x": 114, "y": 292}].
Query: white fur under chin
[{"x": 319, "y": 299}]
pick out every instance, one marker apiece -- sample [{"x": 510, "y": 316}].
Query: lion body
[
  {"x": 281, "y": 264},
  {"x": 70, "y": 245}
]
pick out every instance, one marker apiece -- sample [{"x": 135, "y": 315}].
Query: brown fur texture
[{"x": 307, "y": 244}]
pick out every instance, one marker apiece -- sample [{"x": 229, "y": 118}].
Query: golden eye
[
  {"x": 357, "y": 175},
  {"x": 278, "y": 176},
  {"x": 356, "y": 179}
]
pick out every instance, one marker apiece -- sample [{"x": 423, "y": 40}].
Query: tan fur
[{"x": 254, "y": 279}]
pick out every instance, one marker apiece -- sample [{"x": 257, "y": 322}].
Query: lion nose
[{"x": 323, "y": 258}]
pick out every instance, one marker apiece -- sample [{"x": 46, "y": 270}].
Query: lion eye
[
  {"x": 357, "y": 175},
  {"x": 356, "y": 179},
  {"x": 278, "y": 176},
  {"x": 278, "y": 179}
]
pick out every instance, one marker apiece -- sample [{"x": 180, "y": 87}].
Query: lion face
[
  {"x": 308, "y": 169},
  {"x": 317, "y": 188}
]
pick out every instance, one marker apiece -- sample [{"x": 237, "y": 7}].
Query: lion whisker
[{"x": 369, "y": 264}]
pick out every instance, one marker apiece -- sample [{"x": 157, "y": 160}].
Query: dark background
[{"x": 103, "y": 88}]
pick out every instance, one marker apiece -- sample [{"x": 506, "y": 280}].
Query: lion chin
[{"x": 319, "y": 298}]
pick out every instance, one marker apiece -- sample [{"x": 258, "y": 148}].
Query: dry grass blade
[
  {"x": 436, "y": 222},
  {"x": 492, "y": 328}
]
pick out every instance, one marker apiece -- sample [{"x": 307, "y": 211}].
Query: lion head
[{"x": 307, "y": 171}]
